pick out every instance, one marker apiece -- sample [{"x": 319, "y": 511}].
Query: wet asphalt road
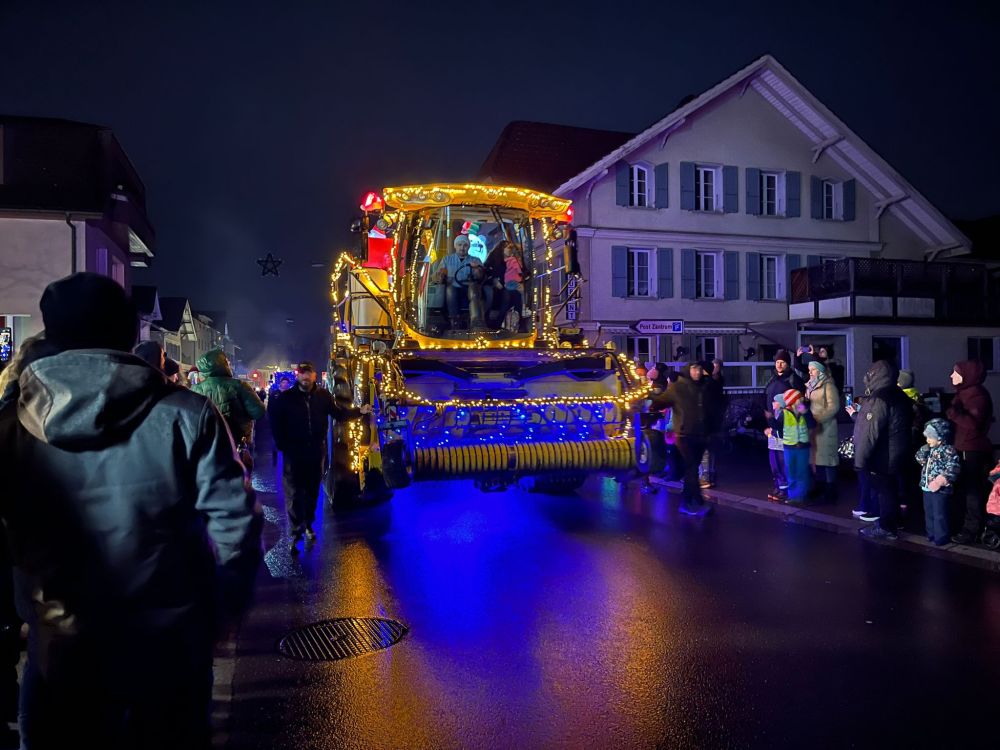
[{"x": 605, "y": 620}]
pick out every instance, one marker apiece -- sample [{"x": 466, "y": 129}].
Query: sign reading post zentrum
[{"x": 659, "y": 326}]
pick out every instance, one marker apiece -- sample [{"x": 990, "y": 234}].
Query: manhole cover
[{"x": 341, "y": 638}]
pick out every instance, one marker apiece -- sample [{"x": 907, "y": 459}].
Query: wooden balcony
[{"x": 873, "y": 289}]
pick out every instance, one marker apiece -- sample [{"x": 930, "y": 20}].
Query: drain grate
[{"x": 342, "y": 638}]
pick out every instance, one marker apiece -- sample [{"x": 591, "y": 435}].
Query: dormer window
[{"x": 639, "y": 184}]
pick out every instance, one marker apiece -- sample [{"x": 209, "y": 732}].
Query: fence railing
[{"x": 959, "y": 290}]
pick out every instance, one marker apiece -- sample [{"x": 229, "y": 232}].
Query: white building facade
[{"x": 703, "y": 222}]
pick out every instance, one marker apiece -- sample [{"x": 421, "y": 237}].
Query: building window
[
  {"x": 174, "y": 352},
  {"x": 638, "y": 193},
  {"x": 640, "y": 348},
  {"x": 706, "y": 348},
  {"x": 102, "y": 261},
  {"x": 707, "y": 276},
  {"x": 638, "y": 272},
  {"x": 984, "y": 349},
  {"x": 118, "y": 271},
  {"x": 769, "y": 277},
  {"x": 833, "y": 200},
  {"x": 891, "y": 349},
  {"x": 772, "y": 193},
  {"x": 707, "y": 183}
]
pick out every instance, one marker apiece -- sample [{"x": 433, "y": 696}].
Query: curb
[{"x": 967, "y": 555}]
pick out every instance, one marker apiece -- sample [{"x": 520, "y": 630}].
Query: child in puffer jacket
[
  {"x": 991, "y": 537},
  {"x": 941, "y": 467}
]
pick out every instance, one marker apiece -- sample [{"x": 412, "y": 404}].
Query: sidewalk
[{"x": 744, "y": 480}]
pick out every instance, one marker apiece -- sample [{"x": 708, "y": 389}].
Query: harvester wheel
[
  {"x": 650, "y": 452},
  {"x": 397, "y": 465},
  {"x": 557, "y": 482}
]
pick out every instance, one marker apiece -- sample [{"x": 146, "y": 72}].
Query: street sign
[
  {"x": 571, "y": 306},
  {"x": 659, "y": 326}
]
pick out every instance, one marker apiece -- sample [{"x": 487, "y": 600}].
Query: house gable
[{"x": 828, "y": 142}]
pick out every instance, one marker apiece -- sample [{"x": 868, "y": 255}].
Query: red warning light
[{"x": 372, "y": 202}]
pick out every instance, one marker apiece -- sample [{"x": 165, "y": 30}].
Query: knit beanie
[
  {"x": 790, "y": 397},
  {"x": 905, "y": 379},
  {"x": 818, "y": 366},
  {"x": 88, "y": 311},
  {"x": 784, "y": 355},
  {"x": 938, "y": 429}
]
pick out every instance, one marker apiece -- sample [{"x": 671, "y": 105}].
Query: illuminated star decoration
[{"x": 269, "y": 265}]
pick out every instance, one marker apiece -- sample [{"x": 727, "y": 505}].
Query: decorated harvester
[{"x": 444, "y": 321}]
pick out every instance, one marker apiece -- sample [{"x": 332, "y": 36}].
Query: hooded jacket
[
  {"x": 971, "y": 410},
  {"x": 882, "y": 427},
  {"x": 695, "y": 406},
  {"x": 126, "y": 509},
  {"x": 239, "y": 404},
  {"x": 941, "y": 460}
]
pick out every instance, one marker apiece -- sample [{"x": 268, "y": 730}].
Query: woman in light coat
[{"x": 824, "y": 403}]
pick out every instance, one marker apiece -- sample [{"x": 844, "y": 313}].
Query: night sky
[{"x": 257, "y": 127}]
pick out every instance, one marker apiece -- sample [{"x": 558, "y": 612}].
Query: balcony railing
[{"x": 874, "y": 287}]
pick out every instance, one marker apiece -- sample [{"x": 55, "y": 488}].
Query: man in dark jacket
[
  {"x": 239, "y": 404},
  {"x": 299, "y": 421},
  {"x": 783, "y": 379},
  {"x": 132, "y": 529},
  {"x": 693, "y": 408},
  {"x": 716, "y": 385},
  {"x": 882, "y": 444},
  {"x": 971, "y": 412}
]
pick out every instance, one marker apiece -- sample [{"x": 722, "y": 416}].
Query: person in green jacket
[{"x": 239, "y": 405}]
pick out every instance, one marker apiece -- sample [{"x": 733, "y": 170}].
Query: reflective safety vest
[{"x": 794, "y": 431}]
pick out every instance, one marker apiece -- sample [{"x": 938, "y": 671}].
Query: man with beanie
[
  {"x": 882, "y": 445},
  {"x": 691, "y": 402},
  {"x": 783, "y": 379},
  {"x": 300, "y": 418},
  {"x": 132, "y": 530}
]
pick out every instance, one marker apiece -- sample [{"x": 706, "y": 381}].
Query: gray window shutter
[
  {"x": 732, "y": 277},
  {"x": 664, "y": 272},
  {"x": 753, "y": 190},
  {"x": 793, "y": 194},
  {"x": 849, "y": 191},
  {"x": 660, "y": 175},
  {"x": 730, "y": 189},
  {"x": 688, "y": 288},
  {"x": 663, "y": 353},
  {"x": 812, "y": 260},
  {"x": 622, "y": 183},
  {"x": 792, "y": 262},
  {"x": 731, "y": 348},
  {"x": 754, "y": 290},
  {"x": 816, "y": 197},
  {"x": 619, "y": 271},
  {"x": 687, "y": 185}
]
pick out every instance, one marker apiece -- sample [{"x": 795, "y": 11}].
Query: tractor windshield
[{"x": 467, "y": 269}]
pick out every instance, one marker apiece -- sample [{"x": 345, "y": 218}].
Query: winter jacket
[
  {"x": 941, "y": 460},
  {"x": 882, "y": 425},
  {"x": 787, "y": 422},
  {"x": 971, "y": 410},
  {"x": 239, "y": 404},
  {"x": 127, "y": 510},
  {"x": 299, "y": 419},
  {"x": 824, "y": 403},
  {"x": 777, "y": 385},
  {"x": 993, "y": 502},
  {"x": 693, "y": 405}
]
